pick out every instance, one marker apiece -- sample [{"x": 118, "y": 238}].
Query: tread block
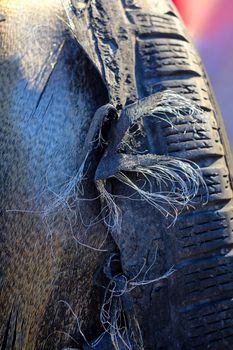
[
  {"x": 186, "y": 138},
  {"x": 218, "y": 183},
  {"x": 159, "y": 7},
  {"x": 210, "y": 326},
  {"x": 156, "y": 25},
  {"x": 206, "y": 231},
  {"x": 206, "y": 140},
  {"x": 205, "y": 280},
  {"x": 161, "y": 59},
  {"x": 193, "y": 89}
]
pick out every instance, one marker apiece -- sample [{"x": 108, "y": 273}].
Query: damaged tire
[{"x": 158, "y": 159}]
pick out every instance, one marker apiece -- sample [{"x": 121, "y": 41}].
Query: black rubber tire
[{"x": 194, "y": 308}]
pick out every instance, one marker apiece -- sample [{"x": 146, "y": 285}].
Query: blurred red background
[{"x": 210, "y": 23}]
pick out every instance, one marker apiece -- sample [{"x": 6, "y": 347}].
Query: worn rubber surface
[
  {"x": 47, "y": 102},
  {"x": 139, "y": 48},
  {"x": 193, "y": 309}
]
